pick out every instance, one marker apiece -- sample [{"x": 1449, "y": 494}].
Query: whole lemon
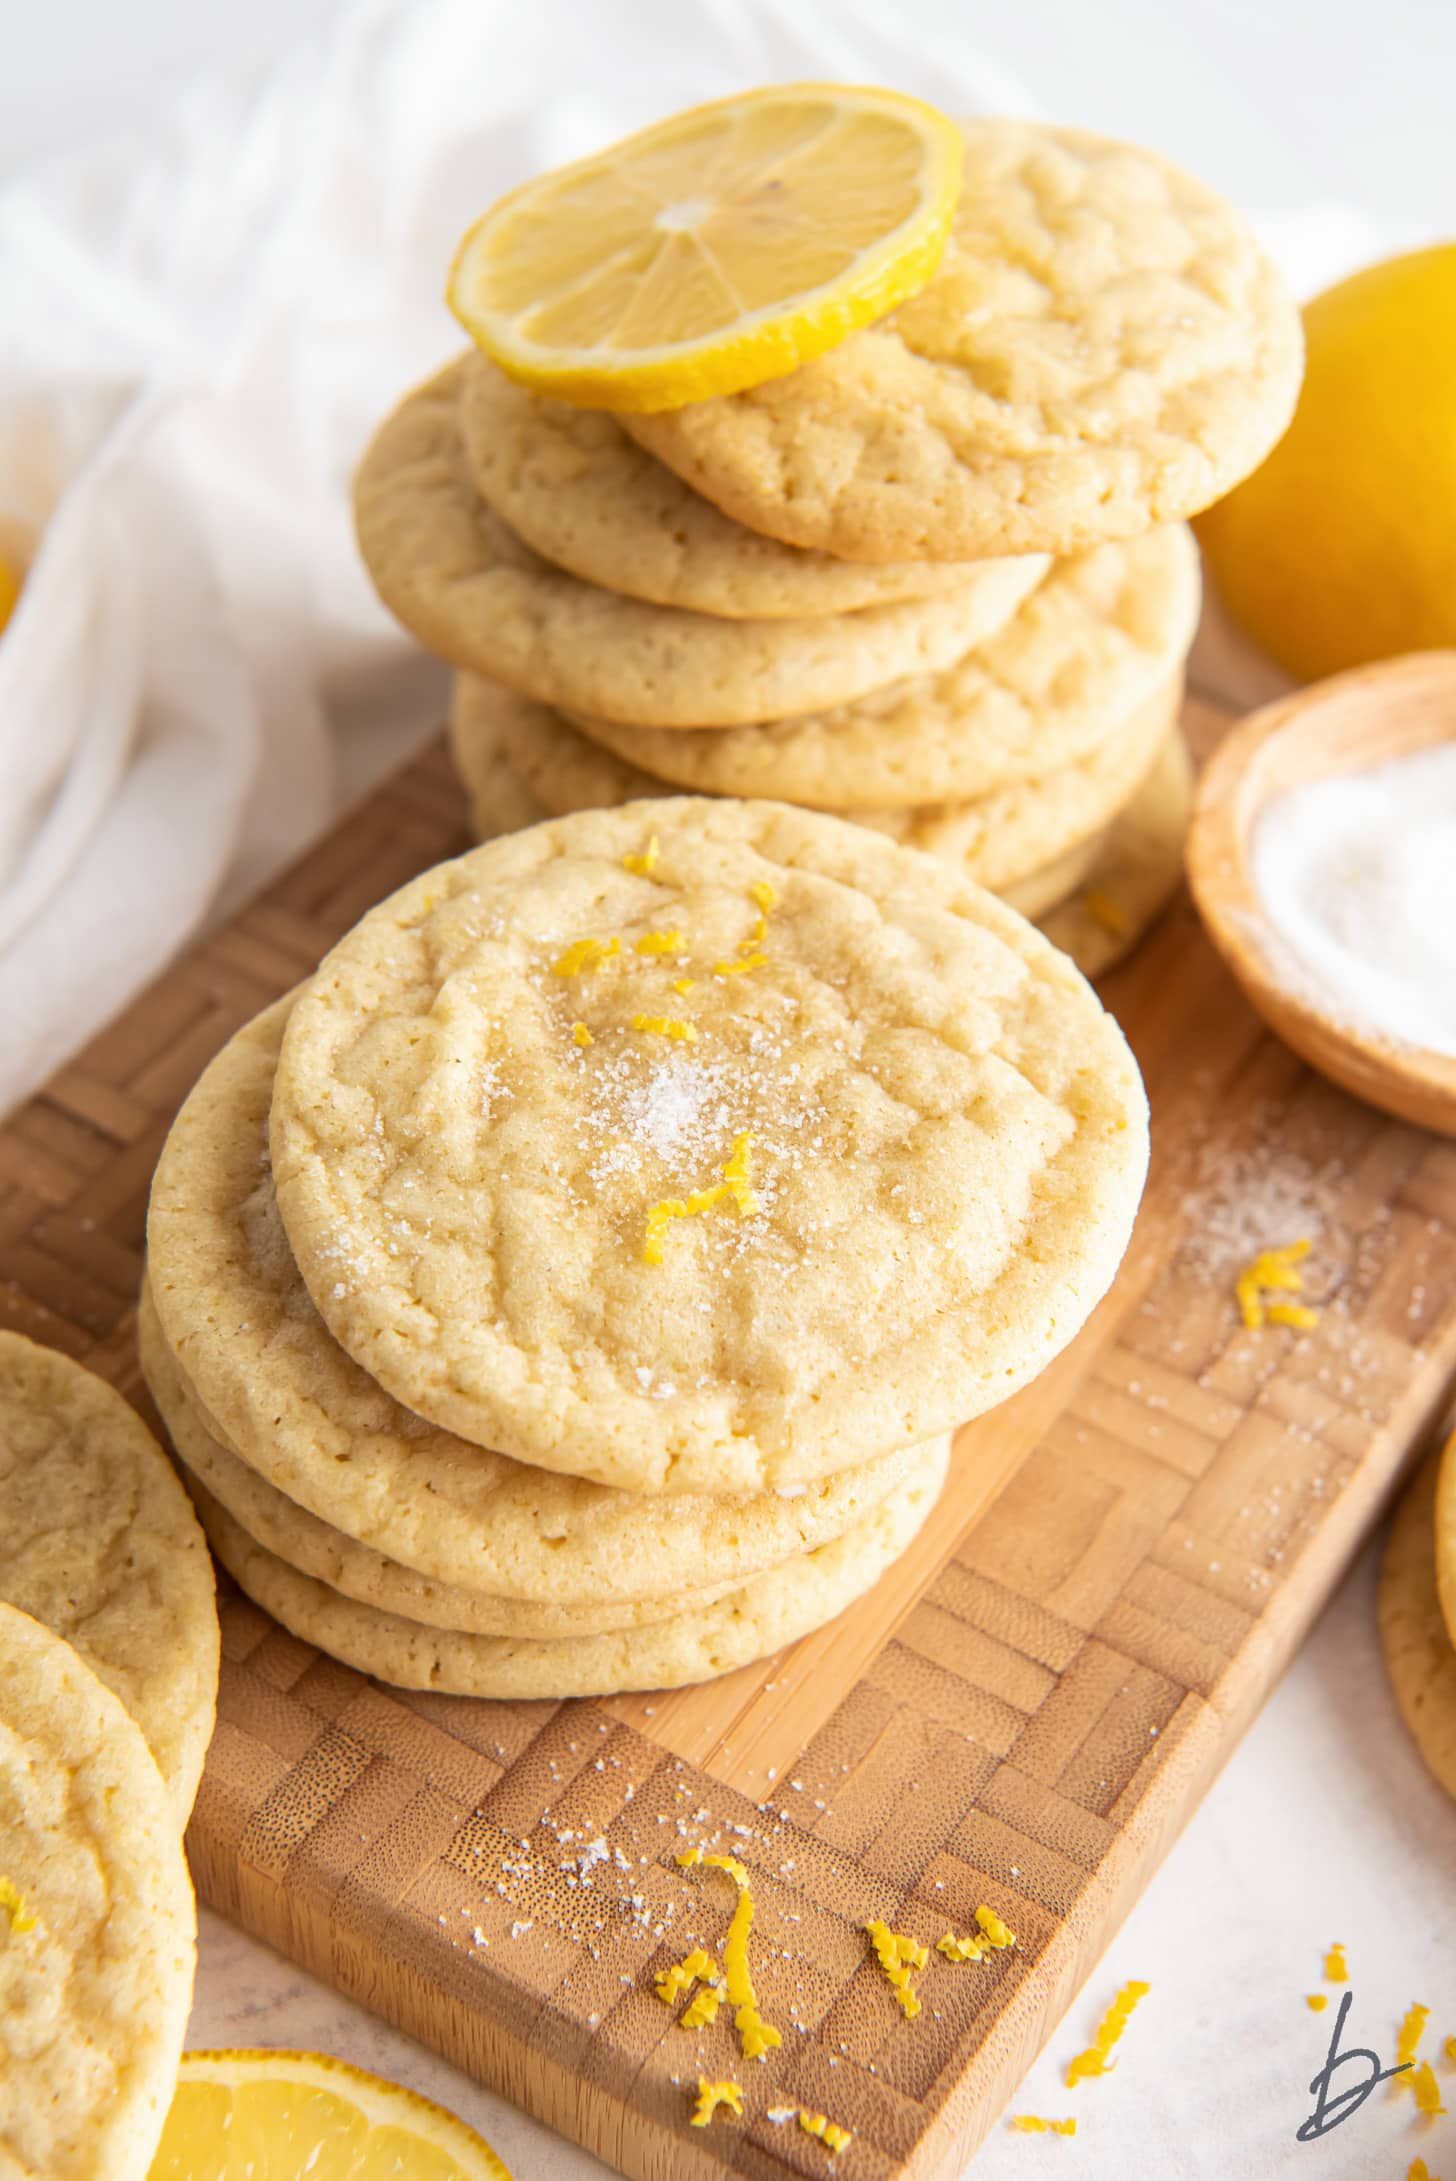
[{"x": 1342, "y": 547}]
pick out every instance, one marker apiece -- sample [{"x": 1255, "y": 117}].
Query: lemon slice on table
[
  {"x": 714, "y": 251},
  {"x": 271, "y": 2116}
]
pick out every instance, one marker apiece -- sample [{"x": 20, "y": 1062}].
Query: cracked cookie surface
[
  {"x": 877, "y": 1178},
  {"x": 1104, "y": 346}
]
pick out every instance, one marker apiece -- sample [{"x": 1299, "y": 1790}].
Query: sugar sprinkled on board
[{"x": 1356, "y": 876}]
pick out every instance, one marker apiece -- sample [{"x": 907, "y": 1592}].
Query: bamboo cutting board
[{"x": 1024, "y": 1712}]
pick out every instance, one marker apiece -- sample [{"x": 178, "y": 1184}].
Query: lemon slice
[
  {"x": 714, "y": 251},
  {"x": 269, "y": 2116},
  {"x": 9, "y": 589}
]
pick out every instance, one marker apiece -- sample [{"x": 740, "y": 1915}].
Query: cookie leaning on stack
[
  {"x": 1102, "y": 350},
  {"x": 542, "y": 1297}
]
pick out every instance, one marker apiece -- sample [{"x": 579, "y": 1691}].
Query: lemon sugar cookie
[
  {"x": 226, "y": 1312},
  {"x": 1133, "y": 873},
  {"x": 581, "y": 493},
  {"x": 702, "y": 1146},
  {"x": 1101, "y": 634},
  {"x": 770, "y": 1611},
  {"x": 1419, "y": 1656},
  {"x": 99, "y": 1542},
  {"x": 464, "y": 584},
  {"x": 522, "y": 762},
  {"x": 1105, "y": 346},
  {"x": 96, "y": 1960}
]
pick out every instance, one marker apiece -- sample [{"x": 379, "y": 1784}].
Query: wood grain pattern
[{"x": 1023, "y": 1714}]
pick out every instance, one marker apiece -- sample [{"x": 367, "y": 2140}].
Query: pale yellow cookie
[
  {"x": 1105, "y": 346},
  {"x": 586, "y": 497},
  {"x": 1049, "y": 885},
  {"x": 97, "y": 1924},
  {"x": 100, "y": 1542},
  {"x": 1099, "y": 636},
  {"x": 1419, "y": 1657},
  {"x": 1446, "y": 1534},
  {"x": 1003, "y": 839},
  {"x": 771, "y": 1611},
  {"x": 1135, "y": 873},
  {"x": 859, "y": 1180},
  {"x": 285, "y": 1399},
  {"x": 467, "y": 587},
  {"x": 315, "y": 1548}
]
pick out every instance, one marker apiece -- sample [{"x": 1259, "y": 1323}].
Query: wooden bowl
[{"x": 1347, "y": 724}]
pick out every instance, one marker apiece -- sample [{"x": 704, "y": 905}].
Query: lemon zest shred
[
  {"x": 1316, "y": 2001},
  {"x": 666, "y": 1026},
  {"x": 1336, "y": 1971},
  {"x": 763, "y": 897},
  {"x": 1275, "y": 1271},
  {"x": 967, "y": 1949},
  {"x": 585, "y": 955},
  {"x": 1095, "y": 2060},
  {"x": 1105, "y": 911},
  {"x": 900, "y": 1957},
  {"x": 736, "y": 1188},
  {"x": 684, "y": 984},
  {"x": 715, "y": 2098},
  {"x": 1032, "y": 2124},
  {"x": 698, "y": 1967},
  {"x": 754, "y": 2034},
  {"x": 1408, "y": 2043},
  {"x": 1449, "y": 2048},
  {"x": 659, "y": 942},
  {"x": 643, "y": 865},
  {"x": 1428, "y": 2095},
  {"x": 12, "y": 1904},
  {"x": 739, "y": 969},
  {"x": 1418, "y": 2170},
  {"x": 824, "y": 2130},
  {"x": 996, "y": 1933},
  {"x": 580, "y": 1035}
]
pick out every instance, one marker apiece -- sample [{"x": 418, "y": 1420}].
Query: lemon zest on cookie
[
  {"x": 666, "y": 1026},
  {"x": 643, "y": 865},
  {"x": 763, "y": 897},
  {"x": 1275, "y": 1271},
  {"x": 755, "y": 2035},
  {"x": 1428, "y": 2095},
  {"x": 1335, "y": 1970},
  {"x": 684, "y": 984},
  {"x": 659, "y": 942},
  {"x": 1032, "y": 2124},
  {"x": 736, "y": 1188},
  {"x": 12, "y": 1904},
  {"x": 715, "y": 2098},
  {"x": 738, "y": 969},
  {"x": 899, "y": 1956},
  {"x": 1316, "y": 2001},
  {"x": 1095, "y": 2061},
  {"x": 585, "y": 955},
  {"x": 824, "y": 2130},
  {"x": 580, "y": 1035}
]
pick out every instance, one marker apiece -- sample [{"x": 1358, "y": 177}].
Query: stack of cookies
[
  {"x": 935, "y": 580},
  {"x": 573, "y": 1287},
  {"x": 108, "y": 1694}
]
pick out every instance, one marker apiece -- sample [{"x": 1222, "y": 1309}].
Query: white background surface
[{"x": 1325, "y": 1824}]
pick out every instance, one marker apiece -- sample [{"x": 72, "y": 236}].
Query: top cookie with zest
[{"x": 880, "y": 1183}]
